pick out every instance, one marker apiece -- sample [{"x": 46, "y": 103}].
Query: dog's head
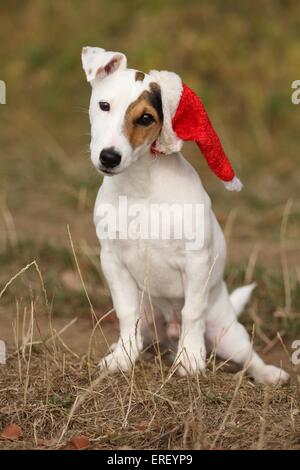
[{"x": 125, "y": 110}]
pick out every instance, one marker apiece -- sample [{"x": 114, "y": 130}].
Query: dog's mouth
[
  {"x": 105, "y": 171},
  {"x": 108, "y": 171}
]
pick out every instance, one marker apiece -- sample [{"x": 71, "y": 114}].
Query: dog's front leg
[
  {"x": 191, "y": 354},
  {"x": 125, "y": 298}
]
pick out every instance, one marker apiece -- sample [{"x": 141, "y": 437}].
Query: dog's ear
[
  {"x": 98, "y": 63},
  {"x": 171, "y": 89}
]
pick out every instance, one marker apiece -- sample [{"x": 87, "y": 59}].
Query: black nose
[{"x": 110, "y": 158}]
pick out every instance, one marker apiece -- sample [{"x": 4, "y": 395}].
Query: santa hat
[{"x": 185, "y": 119}]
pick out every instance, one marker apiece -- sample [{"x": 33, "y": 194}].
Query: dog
[{"x": 128, "y": 117}]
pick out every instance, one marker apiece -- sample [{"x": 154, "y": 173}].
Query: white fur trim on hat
[
  {"x": 234, "y": 185},
  {"x": 171, "y": 90}
]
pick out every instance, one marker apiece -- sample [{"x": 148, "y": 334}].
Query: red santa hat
[{"x": 185, "y": 118}]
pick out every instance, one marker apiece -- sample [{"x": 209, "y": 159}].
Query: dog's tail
[{"x": 241, "y": 296}]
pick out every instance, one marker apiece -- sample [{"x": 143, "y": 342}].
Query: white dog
[{"x": 127, "y": 116}]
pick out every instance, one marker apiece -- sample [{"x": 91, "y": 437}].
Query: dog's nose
[{"x": 109, "y": 158}]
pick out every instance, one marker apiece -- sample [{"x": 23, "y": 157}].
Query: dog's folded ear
[
  {"x": 185, "y": 119},
  {"x": 171, "y": 89},
  {"x": 98, "y": 63}
]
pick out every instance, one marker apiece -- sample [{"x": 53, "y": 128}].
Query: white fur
[
  {"x": 240, "y": 297},
  {"x": 189, "y": 283},
  {"x": 171, "y": 90}
]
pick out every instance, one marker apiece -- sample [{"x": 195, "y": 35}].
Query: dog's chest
[
  {"x": 151, "y": 219},
  {"x": 155, "y": 265}
]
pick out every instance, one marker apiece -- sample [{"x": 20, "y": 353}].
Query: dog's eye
[
  {"x": 145, "y": 120},
  {"x": 104, "y": 106}
]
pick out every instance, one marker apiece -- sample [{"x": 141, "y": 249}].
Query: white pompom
[{"x": 234, "y": 185}]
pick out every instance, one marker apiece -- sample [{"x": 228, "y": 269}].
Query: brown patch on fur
[
  {"x": 139, "y": 76},
  {"x": 147, "y": 102}
]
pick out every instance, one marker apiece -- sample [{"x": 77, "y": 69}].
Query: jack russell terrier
[{"x": 138, "y": 124}]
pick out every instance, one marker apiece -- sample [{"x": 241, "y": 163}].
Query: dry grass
[
  {"x": 53, "y": 394},
  {"x": 141, "y": 410}
]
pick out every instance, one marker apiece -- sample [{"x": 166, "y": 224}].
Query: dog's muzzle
[{"x": 109, "y": 158}]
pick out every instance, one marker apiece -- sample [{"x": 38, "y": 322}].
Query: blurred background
[{"x": 241, "y": 57}]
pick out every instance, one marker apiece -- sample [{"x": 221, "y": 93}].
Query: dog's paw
[
  {"x": 189, "y": 363},
  {"x": 119, "y": 358},
  {"x": 115, "y": 361},
  {"x": 271, "y": 375}
]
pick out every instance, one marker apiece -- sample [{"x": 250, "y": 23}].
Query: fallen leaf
[
  {"x": 69, "y": 446},
  {"x": 80, "y": 442},
  {"x": 12, "y": 432},
  {"x": 77, "y": 443}
]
